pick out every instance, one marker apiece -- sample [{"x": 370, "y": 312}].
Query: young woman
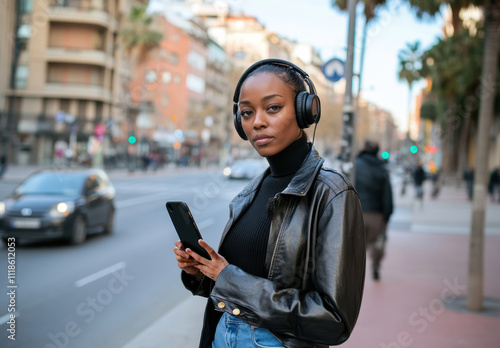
[{"x": 291, "y": 262}]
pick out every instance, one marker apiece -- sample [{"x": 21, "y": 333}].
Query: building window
[
  {"x": 195, "y": 83},
  {"x": 162, "y": 53},
  {"x": 24, "y": 31},
  {"x": 150, "y": 76},
  {"x": 98, "y": 112},
  {"x": 64, "y": 105},
  {"x": 26, "y": 6},
  {"x": 165, "y": 100},
  {"x": 21, "y": 76},
  {"x": 175, "y": 37},
  {"x": 82, "y": 109},
  {"x": 75, "y": 74},
  {"x": 166, "y": 77},
  {"x": 81, "y": 4},
  {"x": 76, "y": 37},
  {"x": 240, "y": 55},
  {"x": 173, "y": 58},
  {"x": 196, "y": 60},
  {"x": 177, "y": 79}
]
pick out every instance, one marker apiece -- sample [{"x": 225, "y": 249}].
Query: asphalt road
[{"x": 106, "y": 291}]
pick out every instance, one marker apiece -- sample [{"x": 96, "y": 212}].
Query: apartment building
[
  {"x": 158, "y": 86},
  {"x": 69, "y": 81},
  {"x": 183, "y": 91}
]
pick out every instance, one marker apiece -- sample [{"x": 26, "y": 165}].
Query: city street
[{"x": 106, "y": 291}]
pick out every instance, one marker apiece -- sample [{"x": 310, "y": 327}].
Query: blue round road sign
[{"x": 334, "y": 69}]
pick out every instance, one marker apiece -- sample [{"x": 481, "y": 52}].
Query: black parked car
[{"x": 54, "y": 204}]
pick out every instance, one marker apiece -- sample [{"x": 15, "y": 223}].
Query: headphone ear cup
[
  {"x": 237, "y": 124},
  {"x": 307, "y": 109},
  {"x": 300, "y": 103},
  {"x": 313, "y": 109}
]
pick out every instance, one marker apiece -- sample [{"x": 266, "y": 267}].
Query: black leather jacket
[{"x": 315, "y": 261}]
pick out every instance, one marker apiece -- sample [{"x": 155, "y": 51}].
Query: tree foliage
[
  {"x": 454, "y": 64},
  {"x": 138, "y": 35},
  {"x": 430, "y": 8},
  {"x": 369, "y": 6},
  {"x": 410, "y": 63},
  {"x": 429, "y": 111}
]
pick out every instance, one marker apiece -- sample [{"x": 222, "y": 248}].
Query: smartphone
[{"x": 186, "y": 227}]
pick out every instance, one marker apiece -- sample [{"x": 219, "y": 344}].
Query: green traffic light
[
  {"x": 413, "y": 149},
  {"x": 385, "y": 155},
  {"x": 132, "y": 139}
]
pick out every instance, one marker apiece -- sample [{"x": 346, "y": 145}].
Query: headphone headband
[{"x": 272, "y": 61}]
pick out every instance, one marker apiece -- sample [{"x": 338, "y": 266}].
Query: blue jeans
[{"x": 232, "y": 332}]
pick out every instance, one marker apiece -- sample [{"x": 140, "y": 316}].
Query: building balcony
[
  {"x": 93, "y": 57},
  {"x": 75, "y": 91},
  {"x": 80, "y": 12},
  {"x": 64, "y": 91}
]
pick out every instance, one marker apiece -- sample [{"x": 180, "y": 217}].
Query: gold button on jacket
[
  {"x": 221, "y": 305},
  {"x": 236, "y": 311}
]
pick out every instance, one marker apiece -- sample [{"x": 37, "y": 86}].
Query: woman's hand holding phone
[
  {"x": 192, "y": 263},
  {"x": 184, "y": 261},
  {"x": 210, "y": 268}
]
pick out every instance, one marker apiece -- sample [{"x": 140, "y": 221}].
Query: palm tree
[
  {"x": 409, "y": 67},
  {"x": 138, "y": 39},
  {"x": 138, "y": 36},
  {"x": 456, "y": 63},
  {"x": 491, "y": 10},
  {"x": 488, "y": 79}
]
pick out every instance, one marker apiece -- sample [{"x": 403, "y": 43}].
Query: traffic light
[
  {"x": 385, "y": 155},
  {"x": 413, "y": 149},
  {"x": 132, "y": 139}
]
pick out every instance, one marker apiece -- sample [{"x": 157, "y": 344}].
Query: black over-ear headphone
[{"x": 307, "y": 105}]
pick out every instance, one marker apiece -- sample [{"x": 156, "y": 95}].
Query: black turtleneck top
[{"x": 246, "y": 243}]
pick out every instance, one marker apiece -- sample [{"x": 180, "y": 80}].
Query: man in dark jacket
[
  {"x": 419, "y": 178},
  {"x": 375, "y": 193},
  {"x": 494, "y": 184}
]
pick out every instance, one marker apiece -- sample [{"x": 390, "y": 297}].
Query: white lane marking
[
  {"x": 5, "y": 318},
  {"x": 100, "y": 274},
  {"x": 138, "y": 200},
  {"x": 205, "y": 223}
]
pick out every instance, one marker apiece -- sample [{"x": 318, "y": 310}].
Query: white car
[{"x": 245, "y": 169}]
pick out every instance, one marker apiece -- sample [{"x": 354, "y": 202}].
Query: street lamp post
[{"x": 348, "y": 129}]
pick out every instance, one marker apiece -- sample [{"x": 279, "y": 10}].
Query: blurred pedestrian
[
  {"x": 436, "y": 183},
  {"x": 3, "y": 165},
  {"x": 375, "y": 193},
  {"x": 418, "y": 180},
  {"x": 146, "y": 160},
  {"x": 469, "y": 181},
  {"x": 155, "y": 160},
  {"x": 406, "y": 179},
  {"x": 494, "y": 185},
  {"x": 291, "y": 262}
]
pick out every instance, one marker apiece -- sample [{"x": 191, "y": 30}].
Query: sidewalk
[{"x": 420, "y": 300}]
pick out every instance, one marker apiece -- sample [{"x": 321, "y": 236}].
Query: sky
[{"x": 316, "y": 23}]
